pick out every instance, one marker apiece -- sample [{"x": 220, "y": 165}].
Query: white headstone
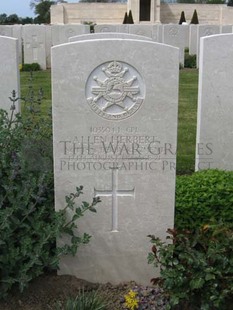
[
  {"x": 142, "y": 30},
  {"x": 112, "y": 28},
  {"x": 62, "y": 33},
  {"x": 178, "y": 36},
  {"x": 115, "y": 124},
  {"x": 157, "y": 33},
  {"x": 6, "y": 31},
  {"x": 205, "y": 31},
  {"x": 214, "y": 126},
  {"x": 107, "y": 35},
  {"x": 48, "y": 45},
  {"x": 17, "y": 33},
  {"x": 226, "y": 29},
  {"x": 193, "y": 39},
  {"x": 34, "y": 45},
  {"x": 9, "y": 72}
]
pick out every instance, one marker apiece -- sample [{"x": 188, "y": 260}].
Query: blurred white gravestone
[
  {"x": 115, "y": 126},
  {"x": 214, "y": 125},
  {"x": 34, "y": 40},
  {"x": 107, "y": 35},
  {"x": 9, "y": 72},
  {"x": 62, "y": 33}
]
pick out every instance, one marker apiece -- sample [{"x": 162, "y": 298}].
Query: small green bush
[
  {"x": 189, "y": 61},
  {"x": 196, "y": 268},
  {"x": 29, "y": 225},
  {"x": 130, "y": 18},
  {"x": 182, "y": 18},
  {"x": 194, "y": 19},
  {"x": 125, "y": 18},
  {"x": 85, "y": 301},
  {"x": 31, "y": 67},
  {"x": 203, "y": 197}
]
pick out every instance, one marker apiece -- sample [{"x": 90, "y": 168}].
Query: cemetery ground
[{"x": 49, "y": 291}]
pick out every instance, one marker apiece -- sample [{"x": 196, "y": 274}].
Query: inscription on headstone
[{"x": 115, "y": 124}]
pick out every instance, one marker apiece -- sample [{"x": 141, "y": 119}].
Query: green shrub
[
  {"x": 182, "y": 18},
  {"x": 31, "y": 67},
  {"x": 189, "y": 61},
  {"x": 194, "y": 19},
  {"x": 125, "y": 18},
  {"x": 203, "y": 197},
  {"x": 29, "y": 224},
  {"x": 85, "y": 301},
  {"x": 130, "y": 18},
  {"x": 196, "y": 268}
]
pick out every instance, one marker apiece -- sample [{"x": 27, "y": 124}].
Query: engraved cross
[{"x": 114, "y": 192}]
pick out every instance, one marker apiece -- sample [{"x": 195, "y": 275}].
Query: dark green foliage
[
  {"x": 196, "y": 268},
  {"x": 182, "y": 18},
  {"x": 14, "y": 19},
  {"x": 194, "y": 19},
  {"x": 189, "y": 60},
  {"x": 85, "y": 301},
  {"x": 125, "y": 21},
  {"x": 230, "y": 3},
  {"x": 31, "y": 67},
  {"x": 215, "y": 2},
  {"x": 29, "y": 224},
  {"x": 130, "y": 18},
  {"x": 203, "y": 197},
  {"x": 91, "y": 24},
  {"x": 42, "y": 10}
]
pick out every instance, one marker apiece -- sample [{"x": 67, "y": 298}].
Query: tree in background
[
  {"x": 194, "y": 19},
  {"x": 14, "y": 19},
  {"x": 130, "y": 18},
  {"x": 125, "y": 18},
  {"x": 182, "y": 18},
  {"x": 42, "y": 9}
]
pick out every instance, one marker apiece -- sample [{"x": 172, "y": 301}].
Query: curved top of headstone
[
  {"x": 108, "y": 35},
  {"x": 9, "y": 72}
]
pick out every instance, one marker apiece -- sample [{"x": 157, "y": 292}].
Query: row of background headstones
[
  {"x": 214, "y": 126},
  {"x": 35, "y": 41}
]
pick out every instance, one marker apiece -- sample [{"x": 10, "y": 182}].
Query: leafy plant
[
  {"x": 31, "y": 67},
  {"x": 85, "y": 301},
  {"x": 29, "y": 225},
  {"x": 194, "y": 19},
  {"x": 196, "y": 268},
  {"x": 190, "y": 61},
  {"x": 203, "y": 197},
  {"x": 182, "y": 18}
]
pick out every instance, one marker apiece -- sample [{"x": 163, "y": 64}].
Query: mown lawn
[{"x": 187, "y": 111}]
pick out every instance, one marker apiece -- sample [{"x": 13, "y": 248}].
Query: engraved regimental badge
[{"x": 115, "y": 90}]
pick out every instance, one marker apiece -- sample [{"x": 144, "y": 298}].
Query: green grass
[
  {"x": 187, "y": 111},
  {"x": 187, "y": 119}
]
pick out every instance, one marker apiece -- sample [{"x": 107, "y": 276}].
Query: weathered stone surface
[
  {"x": 193, "y": 39},
  {"x": 214, "y": 126},
  {"x": 205, "y": 31},
  {"x": 142, "y": 30},
  {"x": 178, "y": 36},
  {"x": 9, "y": 72},
  {"x": 226, "y": 29},
  {"x": 34, "y": 45},
  {"x": 62, "y": 33},
  {"x": 115, "y": 126},
  {"x": 111, "y": 28},
  {"x": 107, "y": 35}
]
